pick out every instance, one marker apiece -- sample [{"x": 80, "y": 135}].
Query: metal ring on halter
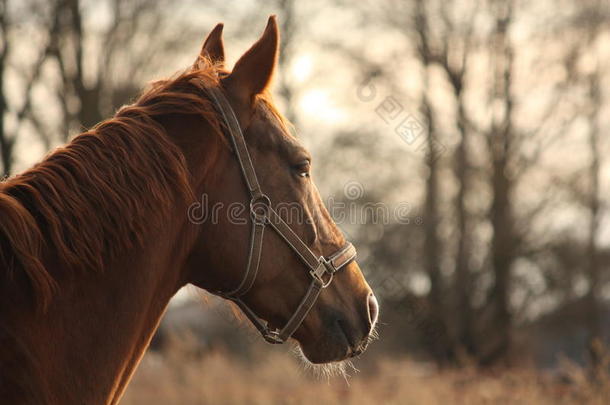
[
  {"x": 323, "y": 268},
  {"x": 273, "y": 337},
  {"x": 256, "y": 203}
]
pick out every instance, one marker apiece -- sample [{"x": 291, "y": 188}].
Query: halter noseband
[{"x": 321, "y": 269}]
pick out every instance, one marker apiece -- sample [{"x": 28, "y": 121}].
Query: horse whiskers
[
  {"x": 373, "y": 335},
  {"x": 327, "y": 370}
]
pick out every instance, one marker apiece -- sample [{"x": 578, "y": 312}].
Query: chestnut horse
[{"x": 96, "y": 239}]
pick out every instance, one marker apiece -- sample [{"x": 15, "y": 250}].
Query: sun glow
[
  {"x": 318, "y": 105},
  {"x": 302, "y": 68}
]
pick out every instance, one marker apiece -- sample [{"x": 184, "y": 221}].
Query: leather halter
[{"x": 321, "y": 269}]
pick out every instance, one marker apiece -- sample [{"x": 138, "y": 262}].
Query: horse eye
[{"x": 302, "y": 169}]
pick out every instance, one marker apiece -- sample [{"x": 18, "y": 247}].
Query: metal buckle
[
  {"x": 321, "y": 270},
  {"x": 259, "y": 209},
  {"x": 273, "y": 337}
]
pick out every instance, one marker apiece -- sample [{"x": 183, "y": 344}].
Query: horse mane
[{"x": 96, "y": 197}]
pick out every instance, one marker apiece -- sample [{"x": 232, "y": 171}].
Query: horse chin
[
  {"x": 325, "y": 369},
  {"x": 316, "y": 355},
  {"x": 329, "y": 346}
]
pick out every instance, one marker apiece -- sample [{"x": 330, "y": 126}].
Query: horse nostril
[{"x": 373, "y": 310}]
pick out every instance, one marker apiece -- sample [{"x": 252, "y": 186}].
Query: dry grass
[{"x": 216, "y": 377}]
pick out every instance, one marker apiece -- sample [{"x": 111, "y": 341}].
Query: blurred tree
[
  {"x": 6, "y": 142},
  {"x": 13, "y": 17},
  {"x": 90, "y": 65},
  {"x": 593, "y": 265},
  {"x": 585, "y": 69},
  {"x": 289, "y": 28},
  {"x": 98, "y": 76},
  {"x": 470, "y": 109},
  {"x": 593, "y": 13},
  {"x": 433, "y": 244},
  {"x": 501, "y": 149}
]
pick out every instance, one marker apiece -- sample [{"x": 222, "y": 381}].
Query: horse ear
[
  {"x": 213, "y": 47},
  {"x": 253, "y": 71}
]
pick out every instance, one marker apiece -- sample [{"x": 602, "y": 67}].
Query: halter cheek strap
[{"x": 320, "y": 268}]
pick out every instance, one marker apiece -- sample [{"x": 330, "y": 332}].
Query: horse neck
[{"x": 85, "y": 347}]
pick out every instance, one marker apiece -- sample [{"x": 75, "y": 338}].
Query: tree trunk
[
  {"x": 464, "y": 338},
  {"x": 593, "y": 312},
  {"x": 6, "y": 142},
  {"x": 501, "y": 215},
  {"x": 286, "y": 88}
]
